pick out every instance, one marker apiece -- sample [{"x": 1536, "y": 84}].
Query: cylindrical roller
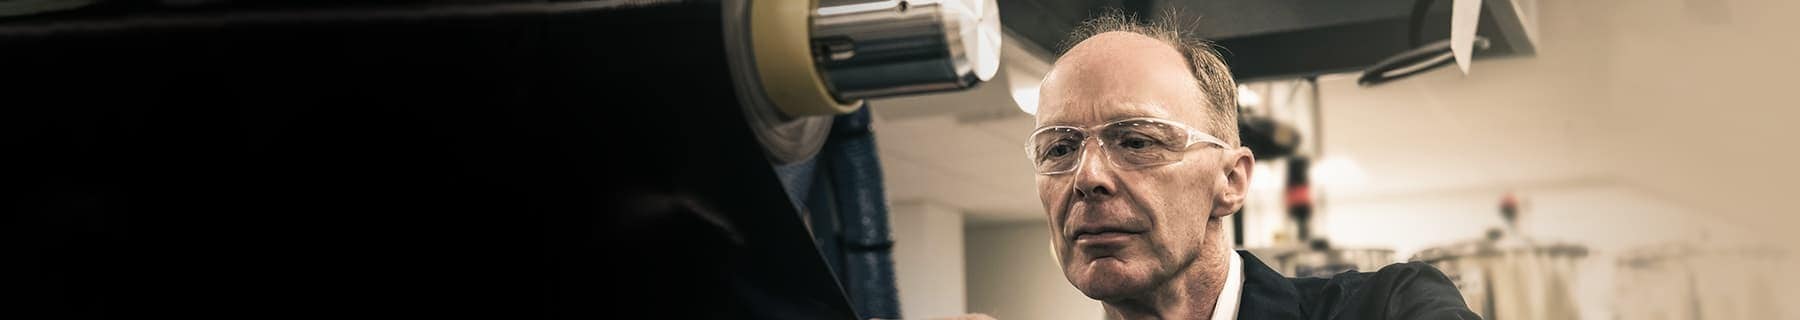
[{"x": 887, "y": 48}]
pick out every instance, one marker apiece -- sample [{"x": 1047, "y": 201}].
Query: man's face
[{"x": 1119, "y": 232}]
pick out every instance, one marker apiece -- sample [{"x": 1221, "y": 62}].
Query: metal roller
[
  {"x": 796, "y": 62},
  {"x": 813, "y": 60},
  {"x": 888, "y": 48}
]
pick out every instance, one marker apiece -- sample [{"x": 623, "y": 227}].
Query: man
[{"x": 1138, "y": 163}]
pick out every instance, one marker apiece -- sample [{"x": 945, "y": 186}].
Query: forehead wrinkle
[{"x": 1104, "y": 112}]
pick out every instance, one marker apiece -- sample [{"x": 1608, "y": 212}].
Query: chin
[{"x": 1108, "y": 280}]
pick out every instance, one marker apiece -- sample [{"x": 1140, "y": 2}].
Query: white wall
[
  {"x": 1013, "y": 276},
  {"x": 928, "y": 260}
]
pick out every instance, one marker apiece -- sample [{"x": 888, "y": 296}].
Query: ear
[{"x": 1230, "y": 198}]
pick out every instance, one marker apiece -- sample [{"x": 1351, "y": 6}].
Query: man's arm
[
  {"x": 1399, "y": 291},
  {"x": 1416, "y": 291}
]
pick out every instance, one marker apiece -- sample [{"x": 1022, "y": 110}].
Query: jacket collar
[{"x": 1267, "y": 294}]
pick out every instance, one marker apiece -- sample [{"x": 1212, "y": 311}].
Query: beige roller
[
  {"x": 815, "y": 60},
  {"x": 783, "y": 51}
]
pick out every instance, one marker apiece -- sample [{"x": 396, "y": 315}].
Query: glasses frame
[{"x": 1194, "y": 136}]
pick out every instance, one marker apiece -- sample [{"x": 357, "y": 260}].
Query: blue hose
[{"x": 862, "y": 205}]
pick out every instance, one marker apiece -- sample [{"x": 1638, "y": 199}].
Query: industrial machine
[{"x": 487, "y": 159}]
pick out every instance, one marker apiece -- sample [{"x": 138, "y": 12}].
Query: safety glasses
[{"x": 1129, "y": 144}]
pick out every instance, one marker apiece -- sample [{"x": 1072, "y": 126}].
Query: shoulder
[
  {"x": 1418, "y": 274},
  {"x": 1399, "y": 291}
]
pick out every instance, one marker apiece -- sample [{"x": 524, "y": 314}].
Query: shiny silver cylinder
[{"x": 876, "y": 49}]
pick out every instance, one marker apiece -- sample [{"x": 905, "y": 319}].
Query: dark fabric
[
  {"x": 427, "y": 160},
  {"x": 1398, "y": 291}
]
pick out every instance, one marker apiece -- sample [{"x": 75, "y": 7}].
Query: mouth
[
  {"x": 1103, "y": 238},
  {"x": 1103, "y": 235},
  {"x": 1100, "y": 228}
]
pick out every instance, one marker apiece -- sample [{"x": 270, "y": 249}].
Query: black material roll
[{"x": 471, "y": 160}]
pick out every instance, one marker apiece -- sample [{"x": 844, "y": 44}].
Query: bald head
[
  {"x": 1120, "y": 75},
  {"x": 1114, "y": 50}
]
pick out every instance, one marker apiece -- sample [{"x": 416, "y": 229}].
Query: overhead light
[
  {"x": 1024, "y": 82},
  {"x": 1027, "y": 98},
  {"x": 1023, "y": 71},
  {"x": 1247, "y": 97}
]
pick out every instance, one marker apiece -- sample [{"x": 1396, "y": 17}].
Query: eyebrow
[{"x": 1133, "y": 111}]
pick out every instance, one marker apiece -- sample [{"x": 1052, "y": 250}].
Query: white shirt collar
[{"x": 1226, "y": 307}]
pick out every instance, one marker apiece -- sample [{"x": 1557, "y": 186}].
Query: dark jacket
[{"x": 1398, "y": 291}]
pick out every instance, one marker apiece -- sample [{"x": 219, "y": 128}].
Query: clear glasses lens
[
  {"x": 1128, "y": 144},
  {"x": 1057, "y": 149},
  {"x": 1136, "y": 144}
]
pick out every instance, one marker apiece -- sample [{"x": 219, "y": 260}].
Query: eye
[
  {"x": 1136, "y": 143},
  {"x": 1058, "y": 150}
]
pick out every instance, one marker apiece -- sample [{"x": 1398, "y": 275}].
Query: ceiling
[
  {"x": 1684, "y": 100},
  {"x": 1044, "y": 23},
  {"x": 965, "y": 149},
  {"x": 1276, "y": 39}
]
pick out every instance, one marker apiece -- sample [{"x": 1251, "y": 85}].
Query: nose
[{"x": 1094, "y": 180}]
